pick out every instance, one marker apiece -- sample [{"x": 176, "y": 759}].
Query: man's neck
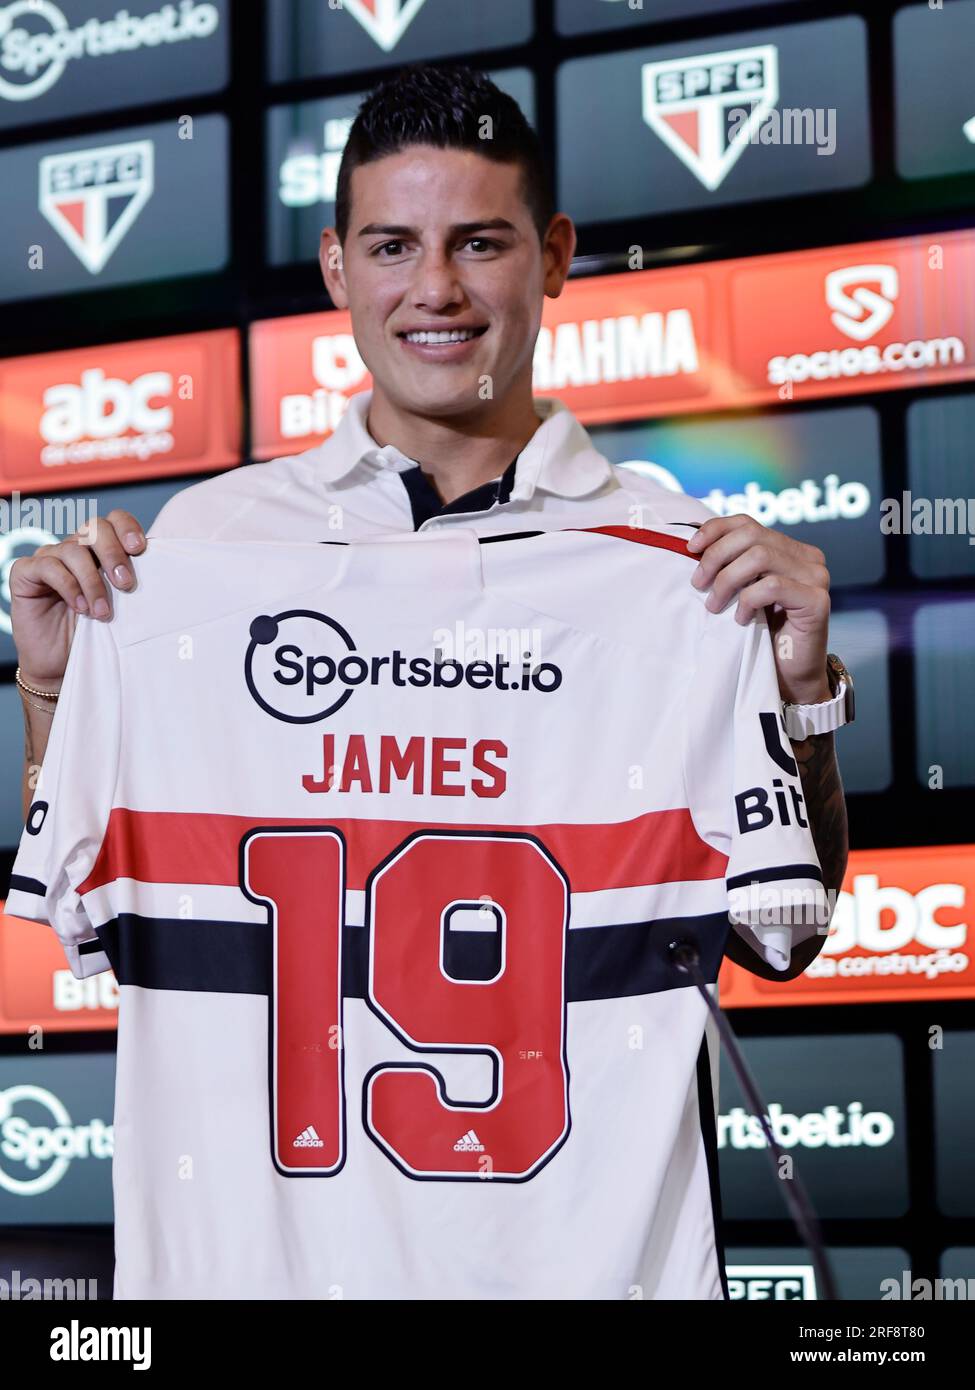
[{"x": 457, "y": 453}]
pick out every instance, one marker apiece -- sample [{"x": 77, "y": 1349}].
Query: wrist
[
  {"x": 819, "y": 712},
  {"x": 808, "y": 692},
  {"x": 39, "y": 685}
]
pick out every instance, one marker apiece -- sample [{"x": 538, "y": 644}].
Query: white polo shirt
[{"x": 349, "y": 488}]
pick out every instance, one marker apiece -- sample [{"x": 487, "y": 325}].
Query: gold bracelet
[
  {"x": 33, "y": 690},
  {"x": 43, "y": 709}
]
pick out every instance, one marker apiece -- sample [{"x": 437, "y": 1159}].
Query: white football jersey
[{"x": 398, "y": 1014}]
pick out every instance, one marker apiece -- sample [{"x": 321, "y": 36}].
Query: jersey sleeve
[
  {"x": 69, "y": 814},
  {"x": 744, "y": 791}
]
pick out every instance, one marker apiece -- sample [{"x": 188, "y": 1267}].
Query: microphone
[{"x": 685, "y": 957}]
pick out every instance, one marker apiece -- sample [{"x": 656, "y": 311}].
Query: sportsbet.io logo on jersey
[{"x": 302, "y": 666}]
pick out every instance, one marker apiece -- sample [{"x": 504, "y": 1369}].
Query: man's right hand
[{"x": 49, "y": 589}]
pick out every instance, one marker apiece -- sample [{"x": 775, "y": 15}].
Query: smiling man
[{"x": 446, "y": 245}]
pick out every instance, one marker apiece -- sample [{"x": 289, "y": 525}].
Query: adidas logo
[
  {"x": 308, "y": 1139},
  {"x": 468, "y": 1144}
]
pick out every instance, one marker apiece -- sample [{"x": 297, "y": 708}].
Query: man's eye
[{"x": 481, "y": 242}]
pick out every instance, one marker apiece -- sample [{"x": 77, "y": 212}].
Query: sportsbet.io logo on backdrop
[
  {"x": 91, "y": 55},
  {"x": 303, "y": 666},
  {"x": 39, "y": 1142},
  {"x": 33, "y": 58}
]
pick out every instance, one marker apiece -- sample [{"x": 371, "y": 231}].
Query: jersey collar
[{"x": 559, "y": 458}]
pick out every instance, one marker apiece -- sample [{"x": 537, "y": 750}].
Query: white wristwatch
[{"x": 803, "y": 720}]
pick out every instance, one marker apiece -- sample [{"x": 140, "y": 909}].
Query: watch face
[{"x": 836, "y": 669}]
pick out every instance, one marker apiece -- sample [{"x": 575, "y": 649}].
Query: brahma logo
[
  {"x": 386, "y": 21},
  {"x": 303, "y": 666},
  {"x": 691, "y": 104},
  {"x": 34, "y": 1157},
  {"x": 92, "y": 197},
  {"x": 863, "y": 312},
  {"x": 42, "y": 53}
]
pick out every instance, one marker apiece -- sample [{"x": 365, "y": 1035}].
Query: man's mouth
[{"x": 446, "y": 335}]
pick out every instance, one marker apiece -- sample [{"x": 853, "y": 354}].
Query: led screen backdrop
[
  {"x": 901, "y": 931},
  {"x": 814, "y": 474},
  {"x": 76, "y": 57},
  {"x": 323, "y": 40},
  {"x": 589, "y": 16},
  {"x": 142, "y": 203},
  {"x": 836, "y": 1105},
  {"x": 764, "y": 114},
  {"x": 935, "y": 104},
  {"x": 120, "y": 413},
  {"x": 56, "y": 1139}
]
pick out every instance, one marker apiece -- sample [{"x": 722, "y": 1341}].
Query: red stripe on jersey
[
  {"x": 184, "y": 847},
  {"x": 642, "y": 537}
]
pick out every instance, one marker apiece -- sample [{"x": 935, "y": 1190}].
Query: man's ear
[{"x": 331, "y": 263}]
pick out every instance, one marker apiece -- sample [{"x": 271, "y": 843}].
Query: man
[
  {"x": 439, "y": 433},
  {"x": 444, "y": 248}
]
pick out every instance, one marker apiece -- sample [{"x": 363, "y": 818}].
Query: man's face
[{"x": 441, "y": 241}]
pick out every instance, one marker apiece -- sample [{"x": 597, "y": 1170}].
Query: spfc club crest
[
  {"x": 92, "y": 197},
  {"x": 707, "y": 108},
  {"x": 386, "y": 21}
]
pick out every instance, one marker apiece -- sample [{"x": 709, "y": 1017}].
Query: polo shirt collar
[{"x": 559, "y": 458}]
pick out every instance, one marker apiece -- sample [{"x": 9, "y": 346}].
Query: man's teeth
[{"x": 454, "y": 335}]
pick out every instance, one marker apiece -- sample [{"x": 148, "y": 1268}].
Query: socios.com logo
[
  {"x": 37, "y": 43},
  {"x": 38, "y": 1142},
  {"x": 302, "y": 666}
]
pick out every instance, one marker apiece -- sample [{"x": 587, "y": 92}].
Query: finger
[
  {"x": 755, "y": 562},
  {"x": 716, "y": 526},
  {"x": 792, "y": 556},
  {"x": 128, "y": 529},
  {"x": 47, "y": 572},
  {"x": 76, "y": 563},
  {"x": 100, "y": 537},
  {"x": 804, "y": 603},
  {"x": 28, "y": 574},
  {"x": 734, "y": 541}
]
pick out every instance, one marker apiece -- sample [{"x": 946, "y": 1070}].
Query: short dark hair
[{"x": 445, "y": 107}]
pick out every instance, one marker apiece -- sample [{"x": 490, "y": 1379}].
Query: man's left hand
[{"x": 789, "y": 579}]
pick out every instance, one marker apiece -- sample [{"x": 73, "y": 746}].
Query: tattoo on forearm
[
  {"x": 825, "y": 804},
  {"x": 28, "y": 766}
]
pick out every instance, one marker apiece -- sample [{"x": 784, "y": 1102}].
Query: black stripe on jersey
[
  {"x": 611, "y": 962},
  {"x": 482, "y": 540},
  {"x": 27, "y": 885},
  {"x": 705, "y": 1110},
  {"x": 770, "y": 875},
  {"x": 524, "y": 535}
]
